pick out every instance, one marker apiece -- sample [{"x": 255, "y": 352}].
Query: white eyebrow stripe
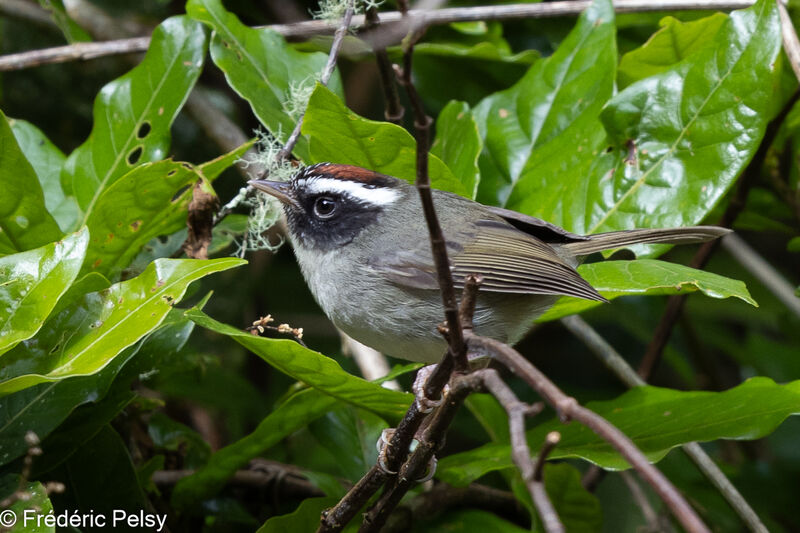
[{"x": 377, "y": 196}]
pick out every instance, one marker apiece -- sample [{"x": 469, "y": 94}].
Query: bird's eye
[{"x": 324, "y": 207}]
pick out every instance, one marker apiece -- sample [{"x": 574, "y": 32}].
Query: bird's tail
[{"x": 618, "y": 239}]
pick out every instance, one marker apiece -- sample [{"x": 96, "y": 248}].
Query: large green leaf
[
  {"x": 458, "y": 144},
  {"x": 47, "y": 160},
  {"x": 656, "y": 419},
  {"x": 261, "y": 67},
  {"x": 133, "y": 114},
  {"x": 304, "y": 518},
  {"x": 550, "y": 104},
  {"x": 646, "y": 277},
  {"x": 313, "y": 369},
  {"x": 34, "y": 504},
  {"x": 32, "y": 282},
  {"x": 24, "y": 220},
  {"x": 296, "y": 412},
  {"x": 148, "y": 201},
  {"x": 85, "y": 337},
  {"x": 680, "y": 138},
  {"x": 338, "y": 135},
  {"x": 671, "y": 44}
]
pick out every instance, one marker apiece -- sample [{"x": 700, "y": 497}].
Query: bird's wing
[{"x": 509, "y": 261}]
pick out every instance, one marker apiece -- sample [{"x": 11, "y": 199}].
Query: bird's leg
[{"x": 424, "y": 405}]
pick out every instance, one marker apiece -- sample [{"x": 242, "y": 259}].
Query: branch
[
  {"x": 710, "y": 470},
  {"x": 442, "y": 498},
  {"x": 569, "y": 409},
  {"x": 428, "y": 18},
  {"x": 650, "y": 515},
  {"x": 521, "y": 453},
  {"x": 324, "y": 78},
  {"x": 393, "y": 110},
  {"x": 422, "y": 125},
  {"x": 763, "y": 271},
  {"x": 735, "y": 207}
]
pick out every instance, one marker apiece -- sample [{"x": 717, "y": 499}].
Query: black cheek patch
[{"x": 328, "y": 234}]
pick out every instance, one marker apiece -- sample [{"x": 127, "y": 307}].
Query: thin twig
[
  {"x": 429, "y": 18},
  {"x": 393, "y": 110},
  {"x": 710, "y": 470},
  {"x": 763, "y": 271},
  {"x": 428, "y": 444},
  {"x": 791, "y": 44},
  {"x": 650, "y": 515},
  {"x": 338, "y": 39},
  {"x": 676, "y": 302},
  {"x": 520, "y": 452},
  {"x": 422, "y": 126},
  {"x": 569, "y": 409},
  {"x": 443, "y": 498}
]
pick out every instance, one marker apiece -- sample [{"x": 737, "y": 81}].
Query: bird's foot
[
  {"x": 383, "y": 445},
  {"x": 425, "y": 404}
]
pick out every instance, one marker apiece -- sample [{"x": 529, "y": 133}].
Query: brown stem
[
  {"x": 737, "y": 203},
  {"x": 569, "y": 409},
  {"x": 520, "y": 452},
  {"x": 427, "y": 18},
  {"x": 393, "y": 110},
  {"x": 338, "y": 39}
]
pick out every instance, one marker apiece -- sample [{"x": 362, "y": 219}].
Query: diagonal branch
[
  {"x": 82, "y": 51},
  {"x": 620, "y": 368}
]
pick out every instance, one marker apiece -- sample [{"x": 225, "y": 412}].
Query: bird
[{"x": 361, "y": 241}]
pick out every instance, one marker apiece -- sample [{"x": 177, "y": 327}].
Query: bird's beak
[{"x": 282, "y": 190}]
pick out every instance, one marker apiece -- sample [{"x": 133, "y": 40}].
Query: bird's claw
[
  {"x": 425, "y": 404},
  {"x": 383, "y": 444}
]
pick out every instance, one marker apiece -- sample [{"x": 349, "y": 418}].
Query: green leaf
[
  {"x": 35, "y": 502},
  {"x": 133, "y": 114},
  {"x": 24, "y": 220},
  {"x": 656, "y": 419},
  {"x": 578, "y": 508},
  {"x": 313, "y": 369},
  {"x": 304, "y": 518},
  {"x": 71, "y": 30},
  {"x": 458, "y": 144},
  {"x": 680, "y": 138},
  {"x": 47, "y": 160},
  {"x": 87, "y": 420},
  {"x": 338, "y": 135},
  {"x": 468, "y": 521},
  {"x": 87, "y": 336},
  {"x": 671, "y": 44},
  {"x": 349, "y": 434},
  {"x": 296, "y": 412},
  {"x": 32, "y": 284},
  {"x": 150, "y": 200},
  {"x": 556, "y": 95},
  {"x": 100, "y": 479},
  {"x": 793, "y": 245},
  {"x": 646, "y": 277},
  {"x": 212, "y": 169},
  {"x": 261, "y": 67}
]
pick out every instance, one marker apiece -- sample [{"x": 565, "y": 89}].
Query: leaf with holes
[
  {"x": 88, "y": 335},
  {"x": 671, "y": 44},
  {"x": 148, "y": 201},
  {"x": 551, "y": 105},
  {"x": 458, "y": 144},
  {"x": 338, "y": 135},
  {"x": 649, "y": 277},
  {"x": 133, "y": 114},
  {"x": 656, "y": 419},
  {"x": 25, "y": 222},
  {"x": 32, "y": 283},
  {"x": 47, "y": 160},
  {"x": 262, "y": 68}
]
